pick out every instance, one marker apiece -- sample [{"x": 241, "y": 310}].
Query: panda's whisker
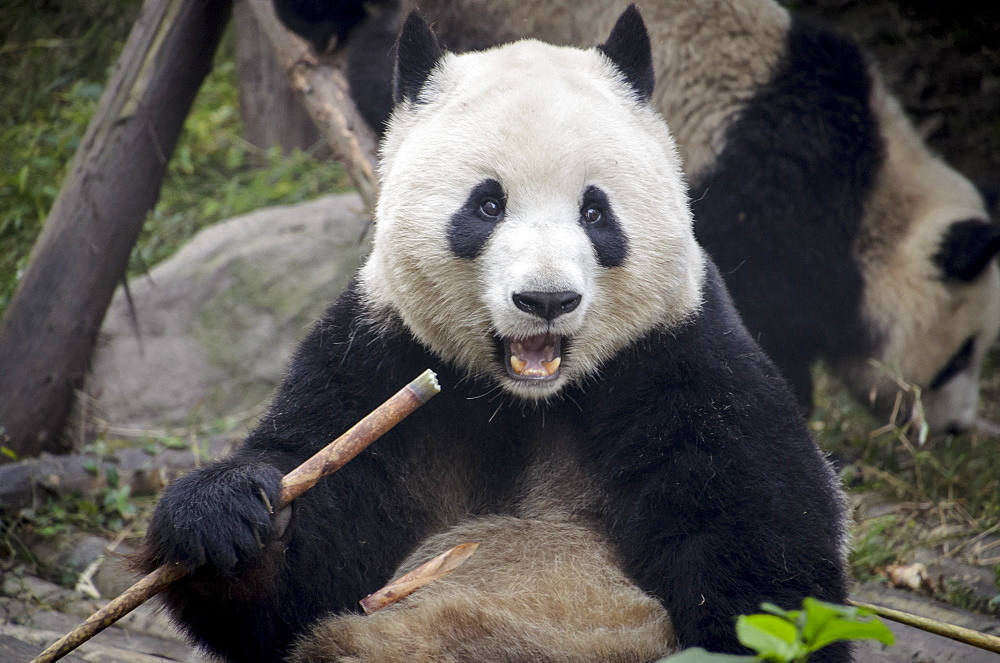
[
  {"x": 495, "y": 412},
  {"x": 573, "y": 401}
]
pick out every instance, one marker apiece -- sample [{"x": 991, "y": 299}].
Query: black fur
[
  {"x": 967, "y": 248},
  {"x": 469, "y": 228},
  {"x": 717, "y": 498},
  {"x": 417, "y": 54},
  {"x": 606, "y": 235},
  {"x": 371, "y": 57},
  {"x": 956, "y": 364},
  {"x": 814, "y": 147},
  {"x": 319, "y": 21},
  {"x": 628, "y": 48}
]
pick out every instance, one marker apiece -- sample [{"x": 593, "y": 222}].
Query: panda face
[
  {"x": 932, "y": 282},
  {"x": 939, "y": 347},
  {"x": 511, "y": 237}
]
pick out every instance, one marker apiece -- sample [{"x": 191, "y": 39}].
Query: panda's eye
[
  {"x": 592, "y": 215},
  {"x": 491, "y": 208}
]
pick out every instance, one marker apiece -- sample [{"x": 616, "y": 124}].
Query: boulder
[{"x": 214, "y": 326}]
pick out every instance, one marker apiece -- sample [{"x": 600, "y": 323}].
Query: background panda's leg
[{"x": 371, "y": 58}]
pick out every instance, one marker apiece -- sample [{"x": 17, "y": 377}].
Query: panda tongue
[{"x": 535, "y": 356}]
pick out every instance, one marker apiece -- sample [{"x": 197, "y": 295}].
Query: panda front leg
[
  {"x": 712, "y": 546},
  {"x": 259, "y": 580}
]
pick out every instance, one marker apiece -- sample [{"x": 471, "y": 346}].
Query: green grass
[
  {"x": 956, "y": 469},
  {"x": 54, "y": 64}
]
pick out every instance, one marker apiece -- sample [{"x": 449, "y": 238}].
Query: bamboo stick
[
  {"x": 426, "y": 573},
  {"x": 950, "y": 631},
  {"x": 329, "y": 459}
]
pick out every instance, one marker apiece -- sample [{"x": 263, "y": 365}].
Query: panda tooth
[
  {"x": 552, "y": 366},
  {"x": 517, "y": 364}
]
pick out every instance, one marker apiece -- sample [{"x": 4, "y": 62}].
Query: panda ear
[
  {"x": 629, "y": 49},
  {"x": 417, "y": 52},
  {"x": 967, "y": 248}
]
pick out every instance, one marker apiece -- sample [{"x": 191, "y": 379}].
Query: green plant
[
  {"x": 888, "y": 456},
  {"x": 790, "y": 636},
  {"x": 873, "y": 546}
]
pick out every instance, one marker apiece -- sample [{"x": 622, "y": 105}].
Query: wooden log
[
  {"x": 272, "y": 113},
  {"x": 48, "y": 332},
  {"x": 323, "y": 85},
  {"x": 145, "y": 473}
]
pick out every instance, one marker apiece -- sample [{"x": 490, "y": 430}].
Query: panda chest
[{"x": 554, "y": 480}]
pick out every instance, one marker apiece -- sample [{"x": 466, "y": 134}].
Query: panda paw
[{"x": 220, "y": 516}]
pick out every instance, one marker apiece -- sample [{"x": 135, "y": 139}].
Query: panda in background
[
  {"x": 841, "y": 237},
  {"x": 607, "y": 429}
]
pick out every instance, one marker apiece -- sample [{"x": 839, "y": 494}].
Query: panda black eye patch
[
  {"x": 599, "y": 221},
  {"x": 958, "y": 363},
  {"x": 471, "y": 225}
]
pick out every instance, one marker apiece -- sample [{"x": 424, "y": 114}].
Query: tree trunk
[
  {"x": 322, "y": 85},
  {"x": 48, "y": 332},
  {"x": 271, "y": 111}
]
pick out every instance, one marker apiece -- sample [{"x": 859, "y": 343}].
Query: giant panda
[
  {"x": 632, "y": 464},
  {"x": 841, "y": 237}
]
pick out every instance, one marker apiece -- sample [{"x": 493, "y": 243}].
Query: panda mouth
[{"x": 534, "y": 358}]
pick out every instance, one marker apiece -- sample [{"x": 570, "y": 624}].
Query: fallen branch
[
  {"x": 144, "y": 472},
  {"x": 326, "y": 95},
  {"x": 426, "y": 573},
  {"x": 958, "y": 633},
  {"x": 330, "y": 459}
]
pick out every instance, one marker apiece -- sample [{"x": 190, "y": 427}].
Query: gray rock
[{"x": 218, "y": 321}]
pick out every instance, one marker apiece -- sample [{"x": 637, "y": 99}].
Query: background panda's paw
[{"x": 219, "y": 516}]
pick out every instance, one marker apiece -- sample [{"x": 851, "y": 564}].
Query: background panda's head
[
  {"x": 533, "y": 218},
  {"x": 932, "y": 282}
]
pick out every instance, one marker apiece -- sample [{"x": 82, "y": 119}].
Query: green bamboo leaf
[
  {"x": 819, "y": 613},
  {"x": 772, "y": 637},
  {"x": 840, "y": 629}
]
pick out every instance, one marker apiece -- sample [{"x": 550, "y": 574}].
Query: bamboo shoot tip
[{"x": 425, "y": 385}]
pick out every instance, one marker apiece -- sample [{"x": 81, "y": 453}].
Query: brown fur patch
[{"x": 537, "y": 590}]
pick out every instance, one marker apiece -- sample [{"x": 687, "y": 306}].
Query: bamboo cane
[
  {"x": 424, "y": 574},
  {"x": 329, "y": 459},
  {"x": 958, "y": 633}
]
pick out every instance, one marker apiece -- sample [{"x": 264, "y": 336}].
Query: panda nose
[
  {"x": 957, "y": 428},
  {"x": 547, "y": 305}
]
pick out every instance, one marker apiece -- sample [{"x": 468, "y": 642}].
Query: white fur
[
  {"x": 709, "y": 55},
  {"x": 546, "y": 122}
]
